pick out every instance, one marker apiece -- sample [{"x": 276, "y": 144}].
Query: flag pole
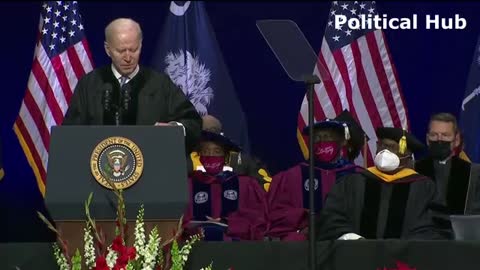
[
  {"x": 365, "y": 151},
  {"x": 310, "y": 82}
]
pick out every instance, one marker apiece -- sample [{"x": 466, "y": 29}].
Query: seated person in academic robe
[
  {"x": 457, "y": 180},
  {"x": 389, "y": 200},
  {"x": 224, "y": 205},
  {"x": 241, "y": 163},
  {"x": 288, "y": 198},
  {"x": 127, "y": 93}
]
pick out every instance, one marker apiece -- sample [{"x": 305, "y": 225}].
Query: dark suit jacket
[{"x": 154, "y": 98}]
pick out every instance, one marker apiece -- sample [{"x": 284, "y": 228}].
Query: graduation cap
[
  {"x": 357, "y": 134},
  {"x": 341, "y": 127},
  {"x": 207, "y": 136},
  {"x": 404, "y": 139}
]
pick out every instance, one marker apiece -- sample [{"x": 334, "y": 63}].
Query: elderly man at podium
[{"x": 126, "y": 93}]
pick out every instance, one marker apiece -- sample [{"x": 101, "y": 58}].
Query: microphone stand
[
  {"x": 310, "y": 82},
  {"x": 117, "y": 116},
  {"x": 123, "y": 104},
  {"x": 109, "y": 105}
]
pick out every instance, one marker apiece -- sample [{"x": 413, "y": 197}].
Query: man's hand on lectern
[
  {"x": 171, "y": 123},
  {"x": 162, "y": 124}
]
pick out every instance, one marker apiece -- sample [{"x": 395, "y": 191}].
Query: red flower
[
  {"x": 117, "y": 244},
  {"x": 125, "y": 254},
  {"x": 101, "y": 263},
  {"x": 131, "y": 253},
  {"x": 121, "y": 262}
]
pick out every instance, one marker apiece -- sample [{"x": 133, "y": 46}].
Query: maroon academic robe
[
  {"x": 238, "y": 201},
  {"x": 288, "y": 198}
]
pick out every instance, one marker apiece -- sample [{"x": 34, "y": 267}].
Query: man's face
[
  {"x": 326, "y": 135},
  {"x": 443, "y": 131},
  {"x": 124, "y": 49},
  {"x": 211, "y": 149},
  {"x": 392, "y": 146}
]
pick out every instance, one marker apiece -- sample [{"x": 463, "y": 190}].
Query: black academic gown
[
  {"x": 462, "y": 194},
  {"x": 154, "y": 98},
  {"x": 364, "y": 204}
]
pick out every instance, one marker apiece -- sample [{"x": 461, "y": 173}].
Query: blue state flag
[
  {"x": 188, "y": 52},
  {"x": 470, "y": 111}
]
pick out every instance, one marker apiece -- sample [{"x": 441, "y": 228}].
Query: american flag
[
  {"x": 62, "y": 56},
  {"x": 361, "y": 78}
]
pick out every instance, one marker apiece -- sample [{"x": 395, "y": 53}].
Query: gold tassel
[
  {"x": 402, "y": 144},
  {"x": 346, "y": 131}
]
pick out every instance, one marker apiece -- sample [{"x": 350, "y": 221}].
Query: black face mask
[{"x": 440, "y": 150}]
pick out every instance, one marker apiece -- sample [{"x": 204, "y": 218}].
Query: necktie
[{"x": 123, "y": 80}]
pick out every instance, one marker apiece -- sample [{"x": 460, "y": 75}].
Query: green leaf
[
  {"x": 130, "y": 265},
  {"x": 77, "y": 261}
]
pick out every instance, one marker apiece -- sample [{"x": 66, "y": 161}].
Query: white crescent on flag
[
  {"x": 179, "y": 10},
  {"x": 468, "y": 98}
]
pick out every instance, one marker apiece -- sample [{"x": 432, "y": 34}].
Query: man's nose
[{"x": 127, "y": 57}]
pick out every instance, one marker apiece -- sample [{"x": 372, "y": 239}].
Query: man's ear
[
  {"x": 456, "y": 141},
  {"x": 107, "y": 48},
  {"x": 426, "y": 140}
]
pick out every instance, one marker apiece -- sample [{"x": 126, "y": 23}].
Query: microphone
[
  {"x": 126, "y": 96},
  {"x": 107, "y": 97}
]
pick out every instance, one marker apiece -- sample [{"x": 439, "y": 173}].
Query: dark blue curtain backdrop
[{"x": 433, "y": 67}]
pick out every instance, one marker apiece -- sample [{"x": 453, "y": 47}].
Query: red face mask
[
  {"x": 213, "y": 164},
  {"x": 325, "y": 151}
]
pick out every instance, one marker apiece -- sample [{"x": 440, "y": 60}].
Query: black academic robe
[
  {"x": 364, "y": 204},
  {"x": 462, "y": 194},
  {"x": 154, "y": 98}
]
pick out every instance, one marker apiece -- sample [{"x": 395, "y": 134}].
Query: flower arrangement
[{"x": 145, "y": 254}]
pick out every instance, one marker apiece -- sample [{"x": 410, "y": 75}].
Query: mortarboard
[
  {"x": 356, "y": 132},
  {"x": 397, "y": 134},
  {"x": 221, "y": 139}
]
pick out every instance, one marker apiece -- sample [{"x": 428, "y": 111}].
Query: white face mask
[{"x": 386, "y": 161}]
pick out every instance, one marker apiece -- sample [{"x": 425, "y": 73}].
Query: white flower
[
  {"x": 151, "y": 250},
  {"x": 111, "y": 257},
  {"x": 208, "y": 267},
  {"x": 139, "y": 243},
  {"x": 60, "y": 257},
  {"x": 89, "y": 250},
  {"x": 185, "y": 250}
]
